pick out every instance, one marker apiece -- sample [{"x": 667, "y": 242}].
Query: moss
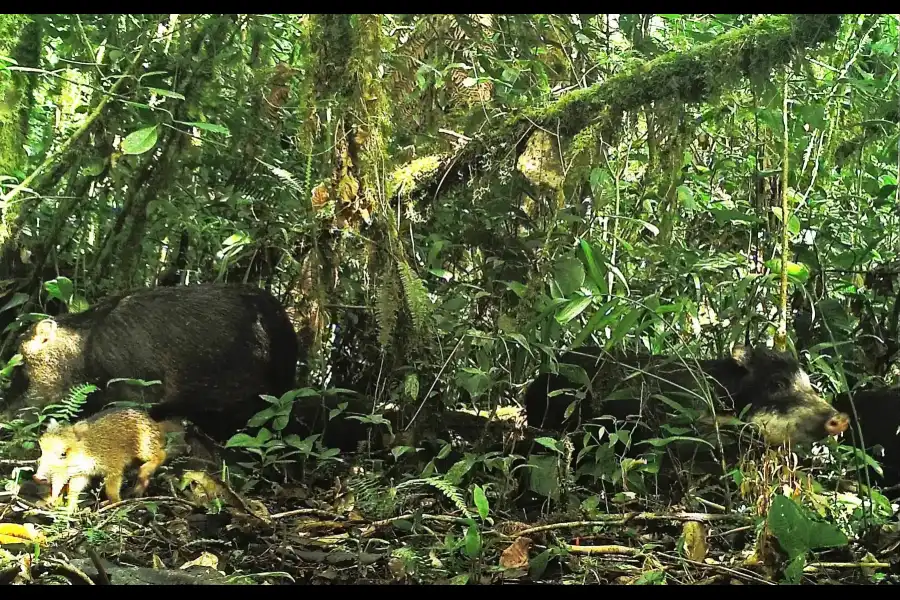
[
  {"x": 18, "y": 40},
  {"x": 696, "y": 75},
  {"x": 404, "y": 179}
]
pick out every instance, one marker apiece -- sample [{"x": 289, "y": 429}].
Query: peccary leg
[
  {"x": 76, "y": 486},
  {"x": 113, "y": 486},
  {"x": 147, "y": 469},
  {"x": 56, "y": 486}
]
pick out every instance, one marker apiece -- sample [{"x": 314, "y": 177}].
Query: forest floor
[{"x": 346, "y": 523}]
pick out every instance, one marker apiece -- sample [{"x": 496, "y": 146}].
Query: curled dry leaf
[
  {"x": 516, "y": 555},
  {"x": 695, "y": 541},
  {"x": 511, "y": 527},
  {"x": 204, "y": 560},
  {"x": 320, "y": 196},
  {"x": 397, "y": 568}
]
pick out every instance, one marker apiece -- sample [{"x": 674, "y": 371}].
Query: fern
[
  {"x": 387, "y": 304},
  {"x": 453, "y": 493},
  {"x": 417, "y": 301},
  {"x": 371, "y": 497},
  {"x": 72, "y": 404}
]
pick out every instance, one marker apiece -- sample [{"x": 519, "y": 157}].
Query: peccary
[
  {"x": 215, "y": 347},
  {"x": 103, "y": 445},
  {"x": 771, "y": 386},
  {"x": 877, "y": 412}
]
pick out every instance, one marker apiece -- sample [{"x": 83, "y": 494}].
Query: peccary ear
[
  {"x": 45, "y": 330},
  {"x": 52, "y": 425},
  {"x": 80, "y": 428},
  {"x": 741, "y": 355}
]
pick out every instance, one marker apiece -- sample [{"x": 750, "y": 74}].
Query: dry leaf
[
  {"x": 397, "y": 568},
  {"x": 204, "y": 560},
  {"x": 320, "y": 196},
  {"x": 695, "y": 540},
  {"x": 202, "y": 487},
  {"x": 14, "y": 533},
  {"x": 158, "y": 563},
  {"x": 516, "y": 555}
]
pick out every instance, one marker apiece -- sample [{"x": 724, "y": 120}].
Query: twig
[
  {"x": 845, "y": 565},
  {"x": 619, "y": 519},
  {"x": 605, "y": 549},
  {"x": 745, "y": 575},
  {"x": 709, "y": 504},
  {"x": 374, "y": 525},
  {"x": 70, "y": 570},
  {"x": 101, "y": 572},
  {"x": 163, "y": 499},
  {"x": 314, "y": 512}
]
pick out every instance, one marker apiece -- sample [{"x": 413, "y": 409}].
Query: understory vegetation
[{"x": 444, "y": 204}]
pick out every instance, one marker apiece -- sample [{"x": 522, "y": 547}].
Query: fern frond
[
  {"x": 453, "y": 493},
  {"x": 416, "y": 295},
  {"x": 371, "y": 496},
  {"x": 387, "y": 304},
  {"x": 71, "y": 406}
]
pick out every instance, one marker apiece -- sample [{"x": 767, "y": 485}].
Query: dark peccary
[
  {"x": 877, "y": 416},
  {"x": 771, "y": 385},
  {"x": 214, "y": 347}
]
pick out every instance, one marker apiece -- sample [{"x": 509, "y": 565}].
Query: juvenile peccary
[
  {"x": 103, "y": 445},
  {"x": 214, "y": 347}
]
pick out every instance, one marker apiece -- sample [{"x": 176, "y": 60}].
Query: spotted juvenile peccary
[{"x": 103, "y": 445}]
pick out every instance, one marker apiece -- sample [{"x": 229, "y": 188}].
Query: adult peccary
[
  {"x": 770, "y": 386},
  {"x": 214, "y": 347},
  {"x": 877, "y": 418}
]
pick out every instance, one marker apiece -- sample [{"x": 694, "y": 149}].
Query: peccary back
[{"x": 215, "y": 347}]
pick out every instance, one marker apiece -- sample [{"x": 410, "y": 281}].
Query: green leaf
[
  {"x": 796, "y": 533},
  {"x": 569, "y": 275},
  {"x": 794, "y": 571},
  {"x": 242, "y": 440},
  {"x": 140, "y": 141},
  {"x": 60, "y": 288},
  {"x": 94, "y": 167},
  {"x": 797, "y": 271},
  {"x": 473, "y": 542},
  {"x": 538, "y": 564},
  {"x": 626, "y": 324},
  {"x": 660, "y": 442},
  {"x": 166, "y": 93},
  {"x": 686, "y": 197},
  {"x": 481, "y": 502},
  {"x": 17, "y": 299},
  {"x": 473, "y": 381},
  {"x": 727, "y": 215},
  {"x": 398, "y": 451},
  {"x": 593, "y": 268},
  {"x": 543, "y": 476},
  {"x": 597, "y": 320},
  {"x": 548, "y": 442},
  {"x": 518, "y": 288},
  {"x": 573, "y": 309},
  {"x": 575, "y": 373},
  {"x": 261, "y": 418}
]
